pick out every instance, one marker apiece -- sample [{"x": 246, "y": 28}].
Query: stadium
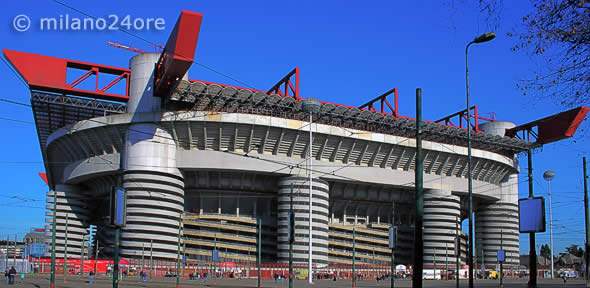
[{"x": 204, "y": 162}]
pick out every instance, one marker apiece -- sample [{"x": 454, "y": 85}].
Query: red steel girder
[
  {"x": 550, "y": 129},
  {"x": 48, "y": 73},
  {"x": 462, "y": 116},
  {"x": 44, "y": 177},
  {"x": 287, "y": 87},
  {"x": 382, "y": 99},
  {"x": 179, "y": 52}
]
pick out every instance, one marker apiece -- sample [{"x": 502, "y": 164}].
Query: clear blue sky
[{"x": 348, "y": 53}]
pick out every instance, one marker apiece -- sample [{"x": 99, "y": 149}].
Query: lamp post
[
  {"x": 311, "y": 106},
  {"x": 479, "y": 39},
  {"x": 549, "y": 175}
]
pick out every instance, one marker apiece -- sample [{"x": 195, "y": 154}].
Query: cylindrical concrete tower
[
  {"x": 441, "y": 214},
  {"x": 496, "y": 128},
  {"x": 320, "y": 197},
  {"x": 141, "y": 84},
  {"x": 155, "y": 187},
  {"x": 72, "y": 203},
  {"x": 498, "y": 222}
]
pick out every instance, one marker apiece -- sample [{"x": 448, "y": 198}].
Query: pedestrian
[
  {"x": 90, "y": 276},
  {"x": 7, "y": 276},
  {"x": 12, "y": 274}
]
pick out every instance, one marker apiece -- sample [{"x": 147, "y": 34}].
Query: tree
[
  {"x": 545, "y": 251},
  {"x": 575, "y": 250},
  {"x": 558, "y": 30}
]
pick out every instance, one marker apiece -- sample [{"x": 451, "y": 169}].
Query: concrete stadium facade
[{"x": 220, "y": 157}]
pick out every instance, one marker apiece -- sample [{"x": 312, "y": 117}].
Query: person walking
[
  {"x": 90, "y": 276},
  {"x": 7, "y": 276},
  {"x": 12, "y": 274}
]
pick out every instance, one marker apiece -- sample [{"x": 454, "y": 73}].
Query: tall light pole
[
  {"x": 479, "y": 39},
  {"x": 310, "y": 106},
  {"x": 549, "y": 175}
]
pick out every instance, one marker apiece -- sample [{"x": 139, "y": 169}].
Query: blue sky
[{"x": 348, "y": 53}]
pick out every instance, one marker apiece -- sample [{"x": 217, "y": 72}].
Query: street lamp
[
  {"x": 549, "y": 175},
  {"x": 311, "y": 106},
  {"x": 479, "y": 39}
]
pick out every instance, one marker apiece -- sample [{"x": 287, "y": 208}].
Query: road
[{"x": 76, "y": 281}]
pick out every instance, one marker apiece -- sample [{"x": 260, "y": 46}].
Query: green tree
[
  {"x": 575, "y": 250},
  {"x": 545, "y": 251}
]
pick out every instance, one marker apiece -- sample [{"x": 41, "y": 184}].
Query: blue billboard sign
[{"x": 531, "y": 215}]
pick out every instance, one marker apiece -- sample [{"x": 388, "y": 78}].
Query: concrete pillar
[
  {"x": 141, "y": 90},
  {"x": 219, "y": 203},
  {"x": 301, "y": 206},
  {"x": 254, "y": 209},
  {"x": 155, "y": 187},
  {"x": 441, "y": 210},
  {"x": 238, "y": 205},
  {"x": 72, "y": 202}
]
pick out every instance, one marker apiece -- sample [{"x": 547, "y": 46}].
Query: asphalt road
[{"x": 76, "y": 281}]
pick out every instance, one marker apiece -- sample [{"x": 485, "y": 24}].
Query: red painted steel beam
[
  {"x": 179, "y": 52},
  {"x": 462, "y": 115},
  {"x": 44, "y": 177},
  {"x": 48, "y": 73},
  {"x": 382, "y": 99},
  {"x": 553, "y": 128},
  {"x": 287, "y": 84}
]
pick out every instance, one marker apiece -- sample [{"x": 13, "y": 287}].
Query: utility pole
[
  {"x": 116, "y": 258},
  {"x": 52, "y": 276},
  {"x": 374, "y": 270},
  {"x": 291, "y": 239},
  {"x": 183, "y": 257},
  {"x": 483, "y": 263},
  {"x": 457, "y": 251},
  {"x": 95, "y": 256},
  {"x": 178, "y": 250},
  {"x": 354, "y": 256},
  {"x": 7, "y": 246},
  {"x": 447, "y": 260},
  {"x": 502, "y": 262},
  {"x": 142, "y": 256},
  {"x": 587, "y": 214},
  {"x": 82, "y": 258},
  {"x": 66, "y": 250},
  {"x": 14, "y": 254},
  {"x": 532, "y": 251},
  {"x": 24, "y": 254},
  {"x": 434, "y": 262},
  {"x": 311, "y": 106},
  {"x": 151, "y": 258},
  {"x": 214, "y": 275},
  {"x": 393, "y": 243},
  {"x": 118, "y": 221},
  {"x": 260, "y": 247},
  {"x": 419, "y": 180}
]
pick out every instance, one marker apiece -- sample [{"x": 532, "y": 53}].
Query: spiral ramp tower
[{"x": 71, "y": 212}]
